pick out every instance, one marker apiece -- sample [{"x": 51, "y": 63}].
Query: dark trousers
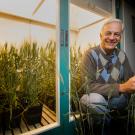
[{"x": 108, "y": 112}]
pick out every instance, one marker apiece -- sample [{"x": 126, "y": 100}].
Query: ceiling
[
  {"x": 46, "y": 11},
  {"x": 42, "y": 10},
  {"x": 80, "y": 18}
]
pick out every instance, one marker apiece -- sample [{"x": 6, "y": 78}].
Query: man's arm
[{"x": 128, "y": 86}]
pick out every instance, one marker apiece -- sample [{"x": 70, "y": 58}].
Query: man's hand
[{"x": 128, "y": 86}]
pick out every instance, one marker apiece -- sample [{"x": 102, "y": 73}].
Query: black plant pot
[
  {"x": 33, "y": 114},
  {"x": 14, "y": 122}
]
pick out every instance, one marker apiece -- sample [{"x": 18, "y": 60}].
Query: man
[{"x": 106, "y": 72}]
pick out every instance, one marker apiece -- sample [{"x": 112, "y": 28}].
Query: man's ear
[{"x": 100, "y": 36}]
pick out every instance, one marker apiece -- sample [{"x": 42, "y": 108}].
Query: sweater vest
[{"x": 116, "y": 73}]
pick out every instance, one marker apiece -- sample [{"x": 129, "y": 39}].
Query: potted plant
[
  {"x": 27, "y": 80},
  {"x": 31, "y": 83},
  {"x": 75, "y": 58},
  {"x": 9, "y": 85}
]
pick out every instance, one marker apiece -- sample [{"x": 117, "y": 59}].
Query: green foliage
[
  {"x": 27, "y": 74},
  {"x": 75, "y": 58},
  {"x": 76, "y": 85},
  {"x": 10, "y": 78},
  {"x": 38, "y": 73},
  {"x": 31, "y": 73},
  {"x": 48, "y": 62}
]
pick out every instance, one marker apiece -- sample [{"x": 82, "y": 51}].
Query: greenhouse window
[{"x": 28, "y": 66}]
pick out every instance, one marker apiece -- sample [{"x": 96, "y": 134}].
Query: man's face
[{"x": 110, "y": 36}]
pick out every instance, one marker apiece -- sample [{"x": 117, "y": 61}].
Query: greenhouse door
[
  {"x": 66, "y": 126},
  {"x": 63, "y": 126}
]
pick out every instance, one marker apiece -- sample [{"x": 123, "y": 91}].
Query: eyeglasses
[{"x": 115, "y": 34}]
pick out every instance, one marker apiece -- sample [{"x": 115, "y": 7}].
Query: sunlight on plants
[{"x": 27, "y": 78}]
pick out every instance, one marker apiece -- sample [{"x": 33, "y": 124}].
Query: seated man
[{"x": 106, "y": 72}]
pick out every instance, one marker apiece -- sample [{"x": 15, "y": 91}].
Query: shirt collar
[{"x": 105, "y": 52}]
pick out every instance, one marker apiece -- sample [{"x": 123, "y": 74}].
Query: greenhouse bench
[{"x": 48, "y": 117}]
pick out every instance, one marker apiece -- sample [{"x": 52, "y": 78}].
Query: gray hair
[{"x": 111, "y": 21}]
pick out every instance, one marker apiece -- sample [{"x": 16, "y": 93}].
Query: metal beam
[
  {"x": 25, "y": 20},
  {"x": 38, "y": 6},
  {"x": 91, "y": 24},
  {"x": 30, "y": 21}
]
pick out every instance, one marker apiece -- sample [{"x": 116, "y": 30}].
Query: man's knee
[
  {"x": 93, "y": 98},
  {"x": 94, "y": 101}
]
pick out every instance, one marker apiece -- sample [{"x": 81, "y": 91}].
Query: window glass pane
[{"x": 27, "y": 65}]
